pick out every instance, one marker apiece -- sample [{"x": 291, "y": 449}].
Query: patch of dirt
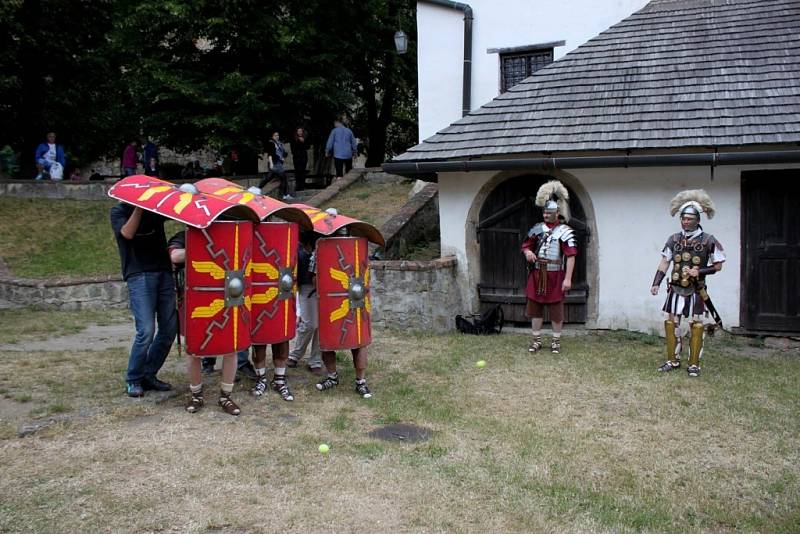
[
  {"x": 402, "y": 432},
  {"x": 93, "y": 337}
]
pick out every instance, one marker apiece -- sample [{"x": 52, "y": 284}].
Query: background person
[
  {"x": 343, "y": 146},
  {"x": 129, "y": 159},
  {"x": 50, "y": 159},
  {"x": 300, "y": 158}
]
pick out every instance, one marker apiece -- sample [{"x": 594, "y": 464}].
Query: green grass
[
  {"x": 372, "y": 202},
  {"x": 42, "y": 238},
  {"x": 591, "y": 440},
  {"x": 46, "y": 238}
]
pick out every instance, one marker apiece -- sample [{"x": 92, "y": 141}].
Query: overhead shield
[
  {"x": 159, "y": 196},
  {"x": 327, "y": 224},
  {"x": 264, "y": 206},
  {"x": 274, "y": 282},
  {"x": 344, "y": 296},
  {"x": 218, "y": 287}
]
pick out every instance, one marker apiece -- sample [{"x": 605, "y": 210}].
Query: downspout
[
  {"x": 713, "y": 159},
  {"x": 466, "y": 91}
]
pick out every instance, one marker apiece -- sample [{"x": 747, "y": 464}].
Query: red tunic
[{"x": 553, "y": 292}]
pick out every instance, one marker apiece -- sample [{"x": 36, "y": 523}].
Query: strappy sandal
[
  {"x": 195, "y": 402},
  {"x": 228, "y": 405},
  {"x": 279, "y": 385},
  {"x": 555, "y": 346},
  {"x": 328, "y": 383},
  {"x": 260, "y": 387}
]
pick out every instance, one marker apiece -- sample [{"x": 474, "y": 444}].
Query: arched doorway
[{"x": 503, "y": 222}]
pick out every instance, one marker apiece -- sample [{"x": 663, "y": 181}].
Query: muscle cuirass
[
  {"x": 549, "y": 244},
  {"x": 686, "y": 254}
]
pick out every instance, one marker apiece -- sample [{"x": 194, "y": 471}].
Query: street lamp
[{"x": 401, "y": 41}]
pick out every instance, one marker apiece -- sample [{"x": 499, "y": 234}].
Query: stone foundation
[
  {"x": 405, "y": 294},
  {"x": 417, "y": 295},
  {"x": 97, "y": 292}
]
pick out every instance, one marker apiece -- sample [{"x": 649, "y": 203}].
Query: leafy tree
[
  {"x": 202, "y": 73},
  {"x": 55, "y": 76}
]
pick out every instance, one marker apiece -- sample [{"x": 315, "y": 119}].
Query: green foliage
[{"x": 199, "y": 73}]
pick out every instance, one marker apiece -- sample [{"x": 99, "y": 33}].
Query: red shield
[
  {"x": 327, "y": 224},
  {"x": 274, "y": 282},
  {"x": 218, "y": 289},
  {"x": 344, "y": 298},
  {"x": 262, "y": 205},
  {"x": 164, "y": 198}
]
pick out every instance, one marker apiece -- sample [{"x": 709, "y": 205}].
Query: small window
[{"x": 516, "y": 67}]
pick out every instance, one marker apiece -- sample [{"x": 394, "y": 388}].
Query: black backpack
[{"x": 488, "y": 322}]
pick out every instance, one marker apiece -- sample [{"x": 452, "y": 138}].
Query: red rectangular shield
[
  {"x": 274, "y": 282},
  {"x": 218, "y": 288},
  {"x": 344, "y": 298}
]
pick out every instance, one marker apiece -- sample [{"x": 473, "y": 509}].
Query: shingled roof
[{"x": 676, "y": 74}]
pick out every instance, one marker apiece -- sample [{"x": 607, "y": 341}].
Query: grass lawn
[
  {"x": 372, "y": 202},
  {"x": 44, "y": 238},
  {"x": 591, "y": 440}
]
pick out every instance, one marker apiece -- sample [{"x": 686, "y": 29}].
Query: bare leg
[
  {"x": 229, "y": 369},
  {"x": 329, "y": 359},
  {"x": 360, "y": 362},
  {"x": 193, "y": 370},
  {"x": 280, "y": 353},
  {"x": 195, "y": 401},
  {"x": 226, "y": 385}
]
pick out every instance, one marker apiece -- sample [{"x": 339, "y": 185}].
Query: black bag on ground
[{"x": 488, "y": 322}]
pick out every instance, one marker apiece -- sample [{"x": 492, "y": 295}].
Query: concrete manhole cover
[{"x": 402, "y": 432}]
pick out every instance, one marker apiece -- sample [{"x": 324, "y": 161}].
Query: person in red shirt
[{"x": 550, "y": 251}]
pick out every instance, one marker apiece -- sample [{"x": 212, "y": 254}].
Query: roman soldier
[
  {"x": 694, "y": 255},
  {"x": 550, "y": 251}
]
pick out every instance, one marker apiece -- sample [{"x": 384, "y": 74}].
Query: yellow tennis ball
[
  {"x": 480, "y": 364},
  {"x": 324, "y": 448}
]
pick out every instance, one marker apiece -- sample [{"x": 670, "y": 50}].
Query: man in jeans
[
  {"x": 342, "y": 146},
  {"x": 147, "y": 270}
]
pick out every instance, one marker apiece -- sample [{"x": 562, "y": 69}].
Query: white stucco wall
[
  {"x": 496, "y": 24},
  {"x": 630, "y": 210}
]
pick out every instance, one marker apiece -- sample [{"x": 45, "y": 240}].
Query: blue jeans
[{"x": 152, "y": 300}]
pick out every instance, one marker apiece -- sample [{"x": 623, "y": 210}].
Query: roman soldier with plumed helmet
[
  {"x": 694, "y": 254},
  {"x": 550, "y": 251}
]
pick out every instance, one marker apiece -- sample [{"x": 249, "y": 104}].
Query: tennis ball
[
  {"x": 480, "y": 364},
  {"x": 324, "y": 448}
]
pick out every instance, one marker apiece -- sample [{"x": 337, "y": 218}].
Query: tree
[
  {"x": 55, "y": 76},
  {"x": 201, "y": 73}
]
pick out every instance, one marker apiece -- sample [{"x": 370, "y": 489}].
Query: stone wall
[
  {"x": 418, "y": 295},
  {"x": 417, "y": 221},
  {"x": 405, "y": 294},
  {"x": 97, "y": 292},
  {"x": 56, "y": 190}
]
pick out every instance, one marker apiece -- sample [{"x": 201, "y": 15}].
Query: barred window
[{"x": 516, "y": 67}]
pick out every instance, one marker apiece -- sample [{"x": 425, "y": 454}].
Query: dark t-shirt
[
  {"x": 178, "y": 241},
  {"x": 304, "y": 276},
  {"x": 147, "y": 251}
]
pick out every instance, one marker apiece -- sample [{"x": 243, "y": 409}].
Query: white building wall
[
  {"x": 630, "y": 209},
  {"x": 496, "y": 24}
]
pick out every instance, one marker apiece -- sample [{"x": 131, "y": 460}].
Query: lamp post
[{"x": 401, "y": 41}]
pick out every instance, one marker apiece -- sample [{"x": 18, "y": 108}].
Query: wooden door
[
  {"x": 771, "y": 250},
  {"x": 504, "y": 221}
]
